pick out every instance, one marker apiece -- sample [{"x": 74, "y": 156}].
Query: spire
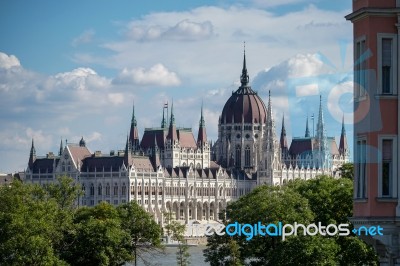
[
  {"x": 32, "y": 155},
  {"x": 133, "y": 134},
  {"x": 172, "y": 121},
  {"x": 202, "y": 136},
  {"x": 172, "y": 135},
  {"x": 61, "y": 148},
  {"x": 343, "y": 148},
  {"x": 269, "y": 108},
  {"x": 127, "y": 154},
  {"x": 283, "y": 140},
  {"x": 244, "y": 78},
  {"x": 163, "y": 122},
  {"x": 202, "y": 122},
  {"x": 343, "y": 129},
  {"x": 307, "y": 135},
  {"x": 320, "y": 123},
  {"x": 133, "y": 120}
]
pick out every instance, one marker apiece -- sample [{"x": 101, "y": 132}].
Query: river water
[{"x": 169, "y": 258}]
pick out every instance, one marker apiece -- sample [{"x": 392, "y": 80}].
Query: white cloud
[
  {"x": 85, "y": 37},
  {"x": 8, "y": 61},
  {"x": 184, "y": 30},
  {"x": 157, "y": 75}
]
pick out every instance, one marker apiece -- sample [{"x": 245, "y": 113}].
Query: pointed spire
[
  {"x": 172, "y": 135},
  {"x": 127, "y": 155},
  {"x": 343, "y": 129},
  {"x": 61, "y": 148},
  {"x": 244, "y": 78},
  {"x": 133, "y": 120},
  {"x": 172, "y": 121},
  {"x": 32, "y": 155},
  {"x": 320, "y": 123},
  {"x": 307, "y": 135},
  {"x": 343, "y": 148},
  {"x": 202, "y": 136},
  {"x": 283, "y": 140},
  {"x": 163, "y": 122},
  {"x": 269, "y": 108},
  {"x": 133, "y": 134},
  {"x": 202, "y": 122},
  {"x": 33, "y": 150}
]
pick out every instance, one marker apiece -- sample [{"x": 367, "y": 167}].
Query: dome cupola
[{"x": 244, "y": 105}]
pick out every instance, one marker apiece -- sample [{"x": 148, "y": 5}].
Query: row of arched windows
[{"x": 107, "y": 191}]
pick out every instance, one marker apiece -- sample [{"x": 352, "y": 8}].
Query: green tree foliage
[
  {"x": 178, "y": 230},
  {"x": 324, "y": 199},
  {"x": 347, "y": 170},
  {"x": 99, "y": 238},
  {"x": 42, "y": 225},
  {"x": 144, "y": 232},
  {"x": 28, "y": 224}
]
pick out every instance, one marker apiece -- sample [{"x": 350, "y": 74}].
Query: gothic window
[
  {"x": 123, "y": 189},
  {"x": 198, "y": 166},
  {"x": 92, "y": 190},
  {"x": 83, "y": 189},
  {"x": 99, "y": 189},
  {"x": 115, "y": 189},
  {"x": 238, "y": 156},
  {"x": 108, "y": 189},
  {"x": 247, "y": 156}
]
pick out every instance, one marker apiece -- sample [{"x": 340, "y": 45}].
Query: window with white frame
[
  {"x": 387, "y": 68},
  {"x": 360, "y": 66},
  {"x": 361, "y": 160},
  {"x": 387, "y": 167}
]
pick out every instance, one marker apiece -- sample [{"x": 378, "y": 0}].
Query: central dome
[{"x": 244, "y": 105}]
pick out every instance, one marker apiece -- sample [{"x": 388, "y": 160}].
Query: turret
[
  {"x": 283, "y": 140},
  {"x": 133, "y": 134},
  {"x": 307, "y": 134},
  {"x": 32, "y": 155},
  {"x": 172, "y": 135},
  {"x": 343, "y": 148},
  {"x": 202, "y": 136},
  {"x": 61, "y": 148}
]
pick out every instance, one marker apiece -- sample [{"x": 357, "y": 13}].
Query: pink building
[{"x": 376, "y": 128}]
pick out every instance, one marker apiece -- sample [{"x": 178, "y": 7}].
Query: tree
[
  {"x": 143, "y": 231},
  {"x": 178, "y": 230},
  {"x": 27, "y": 226},
  {"x": 99, "y": 238},
  {"x": 347, "y": 170},
  {"x": 324, "y": 199}
]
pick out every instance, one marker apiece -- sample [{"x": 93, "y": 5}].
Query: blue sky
[{"x": 70, "y": 69}]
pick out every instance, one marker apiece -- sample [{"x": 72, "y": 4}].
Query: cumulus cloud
[
  {"x": 157, "y": 75},
  {"x": 185, "y": 30},
  {"x": 8, "y": 61},
  {"x": 85, "y": 37}
]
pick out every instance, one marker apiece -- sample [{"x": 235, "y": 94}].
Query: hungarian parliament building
[{"x": 168, "y": 170}]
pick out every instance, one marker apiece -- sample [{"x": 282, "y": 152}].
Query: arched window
[
  {"x": 115, "y": 189},
  {"x": 198, "y": 166},
  {"x": 92, "y": 190},
  {"x": 99, "y": 189},
  {"x": 238, "y": 156},
  {"x": 123, "y": 192},
  {"x": 247, "y": 156},
  {"x": 108, "y": 189},
  {"x": 84, "y": 189}
]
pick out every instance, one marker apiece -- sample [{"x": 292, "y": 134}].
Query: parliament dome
[{"x": 244, "y": 105}]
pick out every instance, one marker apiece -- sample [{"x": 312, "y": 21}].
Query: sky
[{"x": 72, "y": 69}]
